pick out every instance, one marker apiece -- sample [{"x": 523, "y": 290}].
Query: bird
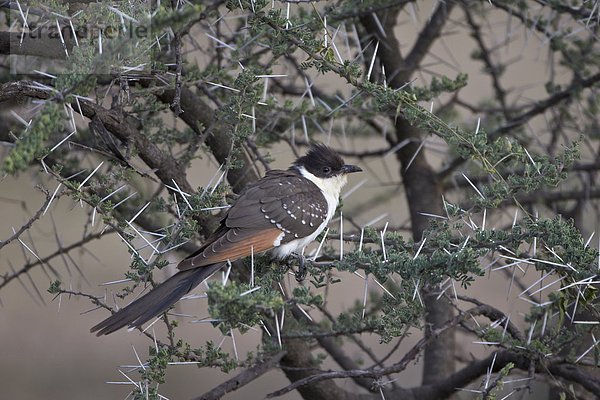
[{"x": 282, "y": 212}]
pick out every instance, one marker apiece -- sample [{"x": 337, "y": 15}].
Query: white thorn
[
  {"x": 89, "y": 176},
  {"x": 372, "y": 61}
]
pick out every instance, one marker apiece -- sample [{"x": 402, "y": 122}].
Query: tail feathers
[{"x": 157, "y": 301}]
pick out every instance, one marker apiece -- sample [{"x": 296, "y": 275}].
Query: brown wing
[{"x": 283, "y": 202}]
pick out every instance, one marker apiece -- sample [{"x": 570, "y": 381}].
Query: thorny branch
[
  {"x": 460, "y": 378},
  {"x": 201, "y": 119},
  {"x": 243, "y": 378},
  {"x": 28, "y": 224},
  {"x": 7, "y": 278}
]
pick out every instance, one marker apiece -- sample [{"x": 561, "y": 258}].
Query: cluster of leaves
[
  {"x": 440, "y": 256},
  {"x": 238, "y": 306},
  {"x": 443, "y": 254},
  {"x": 438, "y": 86},
  {"x": 236, "y": 111},
  {"x": 31, "y": 144},
  {"x": 154, "y": 370}
]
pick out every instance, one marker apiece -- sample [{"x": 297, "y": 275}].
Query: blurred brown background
[{"x": 47, "y": 351}]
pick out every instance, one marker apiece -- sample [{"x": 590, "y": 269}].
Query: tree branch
[
  {"x": 400, "y": 366},
  {"x": 242, "y": 378},
  {"x": 543, "y": 105}
]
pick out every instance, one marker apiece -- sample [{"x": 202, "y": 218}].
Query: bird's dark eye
[{"x": 326, "y": 170}]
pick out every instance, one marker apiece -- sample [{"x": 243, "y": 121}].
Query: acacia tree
[{"x": 499, "y": 181}]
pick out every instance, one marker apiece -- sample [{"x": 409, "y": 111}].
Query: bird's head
[
  {"x": 325, "y": 167},
  {"x": 324, "y": 162}
]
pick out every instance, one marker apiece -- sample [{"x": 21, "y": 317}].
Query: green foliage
[
  {"x": 399, "y": 313},
  {"x": 303, "y": 295},
  {"x": 212, "y": 355},
  {"x": 439, "y": 86},
  {"x": 80, "y": 78},
  {"x": 32, "y": 142},
  {"x": 493, "y": 389},
  {"x": 500, "y": 153},
  {"x": 240, "y": 306},
  {"x": 432, "y": 265},
  {"x": 55, "y": 287},
  {"x": 139, "y": 270},
  {"x": 154, "y": 370}
]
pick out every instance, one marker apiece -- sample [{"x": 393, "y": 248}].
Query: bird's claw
[{"x": 302, "y": 269}]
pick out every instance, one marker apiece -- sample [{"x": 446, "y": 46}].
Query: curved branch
[
  {"x": 541, "y": 106},
  {"x": 166, "y": 167},
  {"x": 409, "y": 357},
  {"x": 242, "y": 378}
]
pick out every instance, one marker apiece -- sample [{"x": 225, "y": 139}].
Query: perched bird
[{"x": 282, "y": 212}]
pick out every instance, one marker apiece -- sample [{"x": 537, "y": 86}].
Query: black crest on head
[{"x": 321, "y": 161}]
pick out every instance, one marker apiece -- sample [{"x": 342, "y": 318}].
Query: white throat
[{"x": 331, "y": 188}]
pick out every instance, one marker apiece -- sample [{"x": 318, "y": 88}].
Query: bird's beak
[{"x": 347, "y": 169}]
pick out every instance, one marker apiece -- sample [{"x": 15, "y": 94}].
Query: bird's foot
[{"x": 302, "y": 268}]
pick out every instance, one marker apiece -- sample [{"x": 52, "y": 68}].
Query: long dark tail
[{"x": 157, "y": 301}]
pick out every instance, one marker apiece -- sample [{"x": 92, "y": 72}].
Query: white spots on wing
[
  {"x": 266, "y": 215},
  {"x": 280, "y": 227}
]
